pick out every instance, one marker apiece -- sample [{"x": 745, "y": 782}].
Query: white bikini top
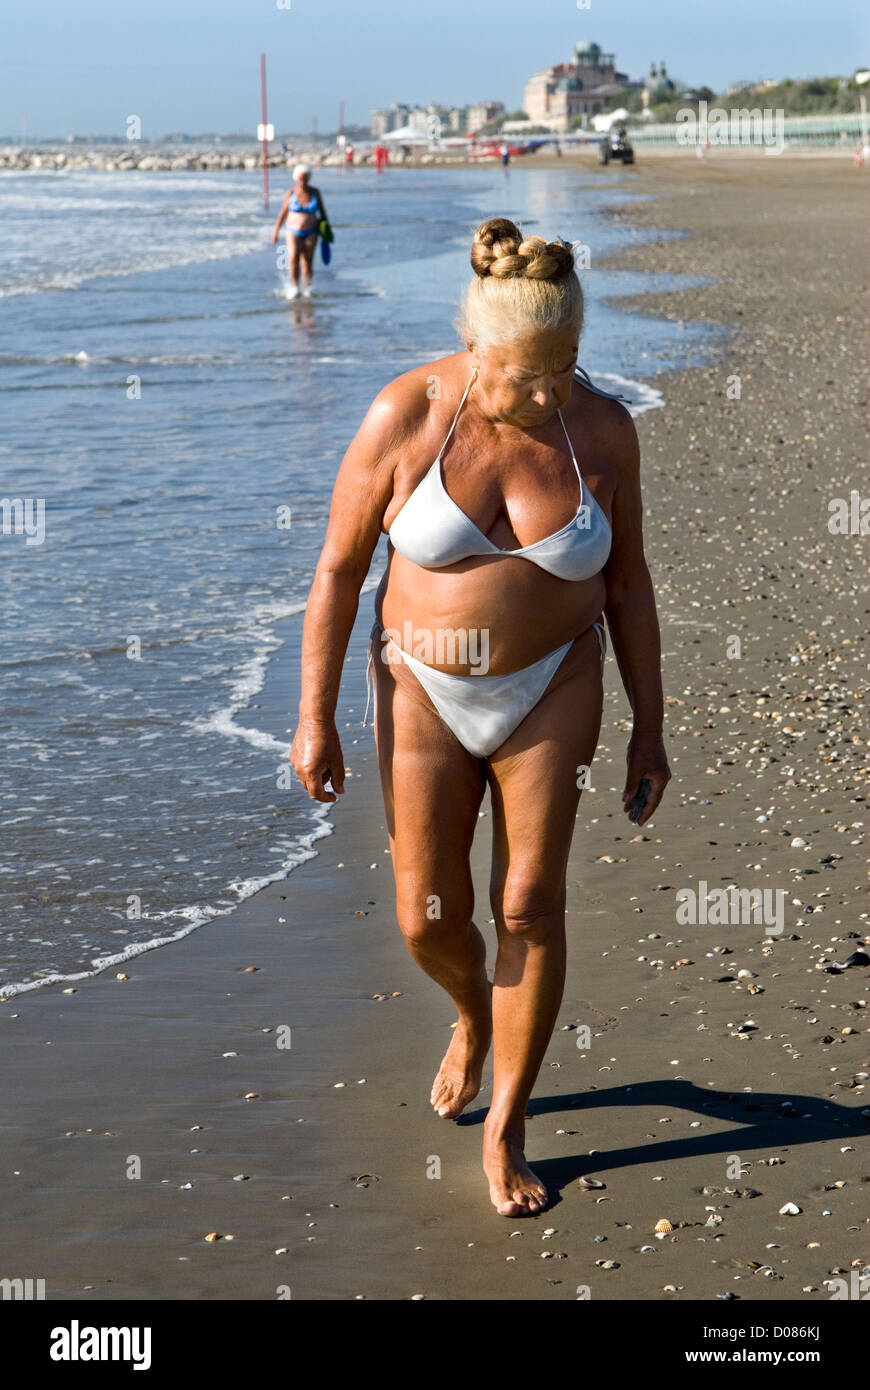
[{"x": 431, "y": 530}]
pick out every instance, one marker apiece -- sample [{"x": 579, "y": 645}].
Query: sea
[{"x": 172, "y": 424}]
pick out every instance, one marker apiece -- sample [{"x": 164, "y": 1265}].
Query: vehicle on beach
[{"x": 615, "y": 145}]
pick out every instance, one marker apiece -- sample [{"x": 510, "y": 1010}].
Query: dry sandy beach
[{"x": 323, "y": 1160}]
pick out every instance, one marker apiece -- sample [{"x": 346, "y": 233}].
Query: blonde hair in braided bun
[{"x": 520, "y": 284}]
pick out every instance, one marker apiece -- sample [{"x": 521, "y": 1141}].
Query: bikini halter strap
[
  {"x": 571, "y": 447},
  {"x": 561, "y": 421},
  {"x": 456, "y": 416}
]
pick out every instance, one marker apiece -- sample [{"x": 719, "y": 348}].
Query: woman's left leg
[
  {"x": 534, "y": 780},
  {"x": 307, "y": 255}
]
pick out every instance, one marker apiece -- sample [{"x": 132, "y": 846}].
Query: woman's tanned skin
[{"x": 507, "y": 466}]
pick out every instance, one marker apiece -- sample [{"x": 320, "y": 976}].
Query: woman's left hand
[{"x": 646, "y": 757}]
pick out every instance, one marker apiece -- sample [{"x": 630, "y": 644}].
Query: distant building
[
  {"x": 481, "y": 114},
  {"x": 433, "y": 120},
  {"x": 393, "y": 118},
  {"x": 658, "y": 87},
  {"x": 587, "y": 86},
  {"x": 430, "y": 120},
  {"x": 736, "y": 89}
]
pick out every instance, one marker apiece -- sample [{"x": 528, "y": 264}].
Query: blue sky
[{"x": 192, "y": 65}]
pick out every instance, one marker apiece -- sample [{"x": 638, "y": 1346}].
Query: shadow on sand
[{"x": 767, "y": 1121}]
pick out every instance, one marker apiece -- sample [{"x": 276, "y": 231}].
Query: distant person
[
  {"x": 348, "y": 156},
  {"x": 303, "y": 209},
  {"x": 504, "y": 151}
]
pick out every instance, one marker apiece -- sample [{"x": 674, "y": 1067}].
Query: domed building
[
  {"x": 586, "y": 86},
  {"x": 658, "y": 87},
  {"x": 588, "y": 53}
]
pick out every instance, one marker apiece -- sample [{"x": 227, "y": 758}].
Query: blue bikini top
[
  {"x": 296, "y": 206},
  {"x": 432, "y": 531}
]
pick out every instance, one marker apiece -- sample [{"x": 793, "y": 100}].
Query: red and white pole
[{"x": 264, "y": 129}]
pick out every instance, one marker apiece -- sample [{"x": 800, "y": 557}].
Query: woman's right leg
[{"x": 432, "y": 789}]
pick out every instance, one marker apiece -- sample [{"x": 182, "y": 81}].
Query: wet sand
[{"x": 324, "y": 1177}]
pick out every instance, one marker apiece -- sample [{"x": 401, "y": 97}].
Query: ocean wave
[
  {"x": 264, "y": 613},
  {"x": 251, "y": 677},
  {"x": 643, "y": 396},
  {"x": 249, "y": 680},
  {"x": 193, "y": 916},
  {"x": 191, "y": 253},
  {"x": 83, "y": 358}
]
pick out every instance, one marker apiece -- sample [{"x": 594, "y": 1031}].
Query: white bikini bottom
[{"x": 482, "y": 711}]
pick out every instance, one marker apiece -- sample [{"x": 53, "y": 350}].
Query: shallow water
[{"x": 164, "y": 400}]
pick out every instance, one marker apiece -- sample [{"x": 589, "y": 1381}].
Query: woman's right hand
[{"x": 317, "y": 758}]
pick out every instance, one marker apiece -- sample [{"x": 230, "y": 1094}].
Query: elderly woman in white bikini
[{"x": 487, "y": 655}]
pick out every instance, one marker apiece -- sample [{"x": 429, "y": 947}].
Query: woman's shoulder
[
  {"x": 604, "y": 411},
  {"x": 413, "y": 393},
  {"x": 404, "y": 408},
  {"x": 608, "y": 422}
]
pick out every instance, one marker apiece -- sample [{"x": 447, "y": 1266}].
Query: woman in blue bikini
[
  {"x": 486, "y": 657},
  {"x": 303, "y": 209}
]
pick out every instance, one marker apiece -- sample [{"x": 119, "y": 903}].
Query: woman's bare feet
[
  {"x": 458, "y": 1078},
  {"x": 514, "y": 1189}
]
